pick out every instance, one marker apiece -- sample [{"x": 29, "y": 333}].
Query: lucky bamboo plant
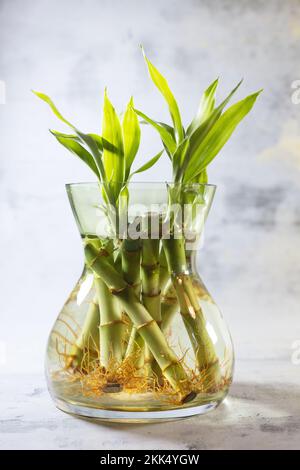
[
  {"x": 190, "y": 151},
  {"x": 141, "y": 282}
]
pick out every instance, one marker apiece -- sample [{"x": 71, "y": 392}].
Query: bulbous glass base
[
  {"x": 140, "y": 338},
  {"x": 136, "y": 417},
  {"x": 126, "y": 391}
]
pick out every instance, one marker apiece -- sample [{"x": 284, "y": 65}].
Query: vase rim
[{"x": 136, "y": 183}]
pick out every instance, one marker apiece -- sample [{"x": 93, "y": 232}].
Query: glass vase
[{"x": 140, "y": 338}]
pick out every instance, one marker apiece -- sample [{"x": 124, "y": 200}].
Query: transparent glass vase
[{"x": 140, "y": 338}]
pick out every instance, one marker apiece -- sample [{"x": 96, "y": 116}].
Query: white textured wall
[{"x": 71, "y": 49}]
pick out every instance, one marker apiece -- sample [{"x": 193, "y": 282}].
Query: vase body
[{"x": 140, "y": 338}]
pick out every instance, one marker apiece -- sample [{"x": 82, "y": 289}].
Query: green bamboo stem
[
  {"x": 192, "y": 315},
  {"x": 147, "y": 327},
  {"x": 88, "y": 338},
  {"x": 164, "y": 274},
  {"x": 131, "y": 256},
  {"x": 111, "y": 326},
  {"x": 150, "y": 276},
  {"x": 169, "y": 306},
  {"x": 135, "y": 347}
]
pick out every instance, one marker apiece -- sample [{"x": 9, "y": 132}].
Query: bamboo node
[
  {"x": 101, "y": 252},
  {"x": 145, "y": 294},
  {"x": 114, "y": 291},
  {"x": 150, "y": 267},
  {"x": 132, "y": 253},
  {"x": 169, "y": 300},
  {"x": 145, "y": 324},
  {"x": 113, "y": 322}
]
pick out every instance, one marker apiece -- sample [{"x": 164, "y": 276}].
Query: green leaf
[
  {"x": 149, "y": 164},
  {"x": 169, "y": 128},
  {"x": 200, "y": 132},
  {"x": 202, "y": 178},
  {"x": 164, "y": 133},
  {"x": 103, "y": 143},
  {"x": 198, "y": 135},
  {"x": 198, "y": 198},
  {"x": 171, "y": 131},
  {"x": 131, "y": 136},
  {"x": 98, "y": 140},
  {"x": 113, "y": 160},
  {"x": 179, "y": 157},
  {"x": 86, "y": 139},
  {"x": 206, "y": 107},
  {"x": 71, "y": 143},
  {"x": 89, "y": 141},
  {"x": 218, "y": 136},
  {"x": 48, "y": 100},
  {"x": 161, "y": 83}
]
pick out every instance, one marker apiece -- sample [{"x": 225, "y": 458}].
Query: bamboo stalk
[
  {"x": 164, "y": 275},
  {"x": 131, "y": 256},
  {"x": 150, "y": 276},
  {"x": 191, "y": 312},
  {"x": 88, "y": 338},
  {"x": 147, "y": 327},
  {"x": 111, "y": 325},
  {"x": 169, "y": 306}
]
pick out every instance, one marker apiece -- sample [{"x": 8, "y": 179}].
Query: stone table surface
[{"x": 261, "y": 412}]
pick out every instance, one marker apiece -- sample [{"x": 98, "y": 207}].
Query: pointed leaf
[
  {"x": 131, "y": 136},
  {"x": 103, "y": 143},
  {"x": 161, "y": 83},
  {"x": 71, "y": 143},
  {"x": 169, "y": 128},
  {"x": 218, "y": 136},
  {"x": 48, "y": 100},
  {"x": 202, "y": 177},
  {"x": 112, "y": 132},
  {"x": 199, "y": 133},
  {"x": 165, "y": 135},
  {"x": 86, "y": 139},
  {"x": 179, "y": 157},
  {"x": 98, "y": 140},
  {"x": 90, "y": 142},
  {"x": 206, "y": 107},
  {"x": 149, "y": 164}
]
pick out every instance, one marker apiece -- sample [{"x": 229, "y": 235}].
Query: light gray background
[{"x": 72, "y": 49}]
